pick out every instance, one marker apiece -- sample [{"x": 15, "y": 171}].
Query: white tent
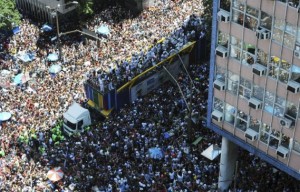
[{"x": 212, "y": 152}]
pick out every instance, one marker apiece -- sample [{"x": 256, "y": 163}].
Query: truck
[{"x": 76, "y": 118}]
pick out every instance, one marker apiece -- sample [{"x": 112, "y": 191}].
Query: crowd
[{"x": 113, "y": 155}]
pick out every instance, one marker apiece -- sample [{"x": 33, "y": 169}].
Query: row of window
[
  {"x": 271, "y": 103},
  {"x": 242, "y": 121},
  {"x": 249, "y": 54},
  {"x": 251, "y": 18}
]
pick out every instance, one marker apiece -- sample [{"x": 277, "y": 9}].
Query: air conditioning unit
[
  {"x": 251, "y": 134},
  {"x": 254, "y": 103},
  {"x": 282, "y": 151},
  {"x": 217, "y": 115},
  {"x": 259, "y": 70},
  {"x": 223, "y": 16},
  {"x": 222, "y": 51},
  {"x": 293, "y": 86},
  {"x": 285, "y": 122},
  {"x": 220, "y": 85},
  {"x": 297, "y": 53},
  {"x": 263, "y": 33}
]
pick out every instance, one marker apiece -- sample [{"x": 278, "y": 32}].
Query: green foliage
[
  {"x": 57, "y": 133},
  {"x": 9, "y": 15},
  {"x": 85, "y": 7}
]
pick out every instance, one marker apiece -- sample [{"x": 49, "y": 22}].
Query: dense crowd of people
[{"x": 113, "y": 155}]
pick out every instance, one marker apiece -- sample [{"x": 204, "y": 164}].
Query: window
[
  {"x": 274, "y": 139},
  {"x": 232, "y": 83},
  {"x": 265, "y": 133},
  {"x": 245, "y": 88},
  {"x": 248, "y": 54},
  {"x": 251, "y": 18},
  {"x": 254, "y": 124},
  {"x": 262, "y": 57},
  {"x": 70, "y": 124},
  {"x": 238, "y": 17},
  {"x": 229, "y": 113},
  {"x": 223, "y": 39},
  {"x": 258, "y": 92},
  {"x": 80, "y": 123},
  {"x": 296, "y": 146},
  {"x": 241, "y": 121},
  {"x": 218, "y": 104},
  {"x": 220, "y": 73},
  {"x": 285, "y": 33},
  {"x": 295, "y": 73},
  {"x": 238, "y": 4},
  {"x": 266, "y": 20},
  {"x": 285, "y": 141},
  {"x": 269, "y": 101},
  {"x": 279, "y": 69},
  {"x": 225, "y": 5},
  {"x": 279, "y": 106},
  {"x": 291, "y": 110}
]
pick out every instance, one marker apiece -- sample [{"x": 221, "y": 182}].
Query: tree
[{"x": 9, "y": 15}]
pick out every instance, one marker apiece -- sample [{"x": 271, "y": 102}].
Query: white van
[{"x": 75, "y": 119}]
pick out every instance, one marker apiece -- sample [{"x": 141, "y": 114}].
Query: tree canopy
[{"x": 9, "y": 15}]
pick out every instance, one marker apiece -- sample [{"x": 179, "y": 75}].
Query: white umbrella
[
  {"x": 55, "y": 68},
  {"x": 4, "y": 116}
]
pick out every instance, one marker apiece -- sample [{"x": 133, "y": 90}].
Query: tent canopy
[{"x": 212, "y": 152}]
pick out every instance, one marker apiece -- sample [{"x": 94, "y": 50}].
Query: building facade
[
  {"x": 254, "y": 94},
  {"x": 39, "y": 9}
]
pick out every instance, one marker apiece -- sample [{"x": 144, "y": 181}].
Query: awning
[{"x": 197, "y": 140}]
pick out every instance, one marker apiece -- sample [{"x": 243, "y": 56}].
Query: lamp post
[{"x": 55, "y": 12}]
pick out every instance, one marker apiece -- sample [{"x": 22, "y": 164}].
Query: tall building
[
  {"x": 254, "y": 94},
  {"x": 43, "y": 9}
]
